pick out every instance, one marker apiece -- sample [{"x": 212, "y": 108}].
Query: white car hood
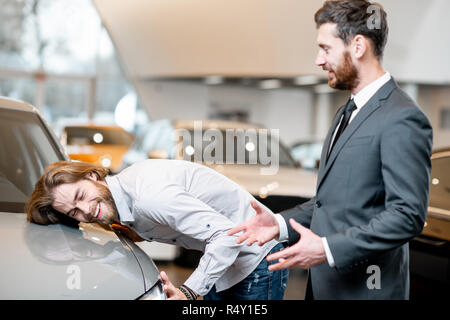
[{"x": 59, "y": 262}]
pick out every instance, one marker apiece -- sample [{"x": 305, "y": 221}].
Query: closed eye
[
  {"x": 72, "y": 213},
  {"x": 324, "y": 47}
]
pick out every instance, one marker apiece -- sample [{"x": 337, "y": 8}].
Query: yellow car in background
[{"x": 98, "y": 144}]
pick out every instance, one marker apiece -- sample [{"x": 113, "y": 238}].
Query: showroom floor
[
  {"x": 421, "y": 288},
  {"x": 294, "y": 291}
]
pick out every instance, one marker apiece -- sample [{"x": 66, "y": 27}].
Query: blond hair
[{"x": 39, "y": 206}]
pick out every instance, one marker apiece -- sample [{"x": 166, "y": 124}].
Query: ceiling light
[
  {"x": 189, "y": 150},
  {"x": 98, "y": 137}
]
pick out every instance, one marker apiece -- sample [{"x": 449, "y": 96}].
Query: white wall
[
  {"x": 432, "y": 100},
  {"x": 173, "y": 100},
  {"x": 290, "y": 110}
]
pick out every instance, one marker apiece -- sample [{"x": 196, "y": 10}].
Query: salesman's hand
[
  {"x": 262, "y": 227},
  {"x": 171, "y": 291},
  {"x": 306, "y": 253}
]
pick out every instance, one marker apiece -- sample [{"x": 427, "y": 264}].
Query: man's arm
[
  {"x": 302, "y": 214},
  {"x": 192, "y": 217},
  {"x": 266, "y": 226}
]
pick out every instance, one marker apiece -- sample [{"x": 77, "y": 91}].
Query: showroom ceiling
[{"x": 262, "y": 38}]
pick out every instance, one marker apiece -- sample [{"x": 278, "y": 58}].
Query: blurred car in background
[
  {"x": 98, "y": 144},
  {"x": 62, "y": 261},
  {"x": 307, "y": 153},
  {"x": 438, "y": 219},
  {"x": 287, "y": 187},
  {"x": 430, "y": 252}
]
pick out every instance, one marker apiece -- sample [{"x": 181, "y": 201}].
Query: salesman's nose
[{"x": 320, "y": 60}]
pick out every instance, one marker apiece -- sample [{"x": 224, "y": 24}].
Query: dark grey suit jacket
[{"x": 371, "y": 198}]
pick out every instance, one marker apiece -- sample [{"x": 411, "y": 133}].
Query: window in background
[
  {"x": 66, "y": 98},
  {"x": 56, "y": 55},
  {"x": 18, "y": 88}
]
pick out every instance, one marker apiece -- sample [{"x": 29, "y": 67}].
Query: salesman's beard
[{"x": 345, "y": 75}]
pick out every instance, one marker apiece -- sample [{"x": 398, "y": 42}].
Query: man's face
[
  {"x": 86, "y": 201},
  {"x": 334, "y": 56}
]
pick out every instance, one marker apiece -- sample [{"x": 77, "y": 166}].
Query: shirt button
[
  {"x": 207, "y": 286},
  {"x": 208, "y": 225}
]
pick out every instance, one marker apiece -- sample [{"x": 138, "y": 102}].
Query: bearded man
[{"x": 374, "y": 174}]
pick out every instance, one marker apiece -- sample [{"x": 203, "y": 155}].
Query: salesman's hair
[
  {"x": 356, "y": 17},
  {"x": 39, "y": 206}
]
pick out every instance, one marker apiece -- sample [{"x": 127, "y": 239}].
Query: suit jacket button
[{"x": 318, "y": 204}]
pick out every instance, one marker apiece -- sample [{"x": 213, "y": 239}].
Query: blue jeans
[{"x": 261, "y": 284}]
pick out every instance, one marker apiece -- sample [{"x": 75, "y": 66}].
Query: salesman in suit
[{"x": 373, "y": 180}]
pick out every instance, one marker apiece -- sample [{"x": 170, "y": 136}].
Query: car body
[
  {"x": 285, "y": 188},
  {"x": 101, "y": 145},
  {"x": 84, "y": 261},
  {"x": 438, "y": 218},
  {"x": 430, "y": 251}
]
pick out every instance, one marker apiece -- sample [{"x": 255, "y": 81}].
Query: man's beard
[
  {"x": 346, "y": 74},
  {"x": 106, "y": 198}
]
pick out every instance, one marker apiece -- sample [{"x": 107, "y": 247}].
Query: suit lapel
[
  {"x": 327, "y": 142},
  {"x": 372, "y": 105}
]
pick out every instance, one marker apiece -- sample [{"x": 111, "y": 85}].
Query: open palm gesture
[{"x": 262, "y": 228}]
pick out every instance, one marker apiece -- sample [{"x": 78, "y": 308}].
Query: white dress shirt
[
  {"x": 193, "y": 206},
  {"x": 360, "y": 99}
]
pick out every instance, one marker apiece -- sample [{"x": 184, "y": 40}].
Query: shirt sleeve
[
  {"x": 190, "y": 216},
  {"x": 330, "y": 258},
  {"x": 284, "y": 236}
]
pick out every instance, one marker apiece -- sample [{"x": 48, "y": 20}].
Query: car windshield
[
  {"x": 159, "y": 134},
  {"x": 308, "y": 154},
  {"x": 95, "y": 136},
  {"x": 25, "y": 150},
  {"x": 440, "y": 183},
  {"x": 238, "y": 147}
]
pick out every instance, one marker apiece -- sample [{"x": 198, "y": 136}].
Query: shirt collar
[
  {"x": 121, "y": 199},
  {"x": 363, "y": 96}
]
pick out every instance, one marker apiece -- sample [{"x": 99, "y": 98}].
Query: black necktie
[{"x": 348, "y": 109}]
